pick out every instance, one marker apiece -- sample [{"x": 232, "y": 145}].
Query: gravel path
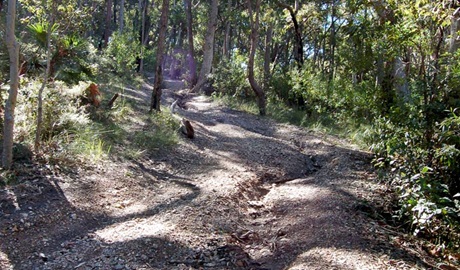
[{"x": 246, "y": 193}]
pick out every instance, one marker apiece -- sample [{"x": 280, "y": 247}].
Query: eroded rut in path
[{"x": 246, "y": 193}]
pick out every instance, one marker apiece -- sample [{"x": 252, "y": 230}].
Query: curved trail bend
[{"x": 246, "y": 193}]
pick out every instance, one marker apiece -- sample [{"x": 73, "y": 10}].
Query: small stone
[{"x": 43, "y": 257}]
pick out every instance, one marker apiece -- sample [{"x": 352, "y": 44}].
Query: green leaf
[{"x": 426, "y": 169}]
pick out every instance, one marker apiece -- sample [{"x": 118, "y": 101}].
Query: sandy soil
[{"x": 246, "y": 193}]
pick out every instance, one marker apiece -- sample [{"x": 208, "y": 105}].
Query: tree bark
[
  {"x": 114, "y": 12},
  {"x": 156, "y": 93},
  {"x": 143, "y": 33},
  {"x": 226, "y": 45},
  {"x": 208, "y": 53},
  {"x": 332, "y": 43},
  {"x": 386, "y": 76},
  {"x": 298, "y": 47},
  {"x": 121, "y": 20},
  {"x": 108, "y": 17},
  {"x": 13, "y": 51},
  {"x": 254, "y": 22},
  {"x": 191, "y": 49},
  {"x": 40, "y": 91},
  {"x": 267, "y": 55}
]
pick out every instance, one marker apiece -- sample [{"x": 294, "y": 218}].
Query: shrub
[
  {"x": 123, "y": 51},
  {"x": 424, "y": 175},
  {"x": 229, "y": 78}
]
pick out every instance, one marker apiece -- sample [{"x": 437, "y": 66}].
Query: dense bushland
[{"x": 383, "y": 73}]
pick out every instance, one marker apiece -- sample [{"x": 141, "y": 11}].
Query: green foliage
[
  {"x": 425, "y": 176},
  {"x": 70, "y": 55},
  {"x": 89, "y": 143},
  {"x": 39, "y": 31},
  {"x": 162, "y": 134},
  {"x": 123, "y": 50},
  {"x": 7, "y": 177},
  {"x": 230, "y": 78},
  {"x": 67, "y": 130},
  {"x": 236, "y": 103}
]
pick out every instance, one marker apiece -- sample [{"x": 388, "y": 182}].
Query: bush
[
  {"x": 424, "y": 175},
  {"x": 123, "y": 51},
  {"x": 229, "y": 78},
  {"x": 67, "y": 130}
]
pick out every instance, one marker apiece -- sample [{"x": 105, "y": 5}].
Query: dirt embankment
[{"x": 246, "y": 193}]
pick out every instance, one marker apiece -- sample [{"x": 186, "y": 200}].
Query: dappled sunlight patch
[
  {"x": 134, "y": 229},
  {"x": 295, "y": 191},
  {"x": 5, "y": 262},
  {"x": 334, "y": 258}
]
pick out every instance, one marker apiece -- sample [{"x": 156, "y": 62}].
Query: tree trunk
[
  {"x": 114, "y": 12},
  {"x": 208, "y": 51},
  {"x": 143, "y": 32},
  {"x": 13, "y": 51},
  {"x": 254, "y": 22},
  {"x": 108, "y": 17},
  {"x": 386, "y": 71},
  {"x": 156, "y": 93},
  {"x": 332, "y": 43},
  {"x": 298, "y": 45},
  {"x": 40, "y": 91},
  {"x": 121, "y": 20},
  {"x": 191, "y": 50},
  {"x": 401, "y": 84},
  {"x": 226, "y": 45},
  {"x": 267, "y": 55}
]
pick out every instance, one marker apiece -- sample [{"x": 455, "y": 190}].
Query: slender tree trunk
[
  {"x": 267, "y": 55},
  {"x": 208, "y": 53},
  {"x": 191, "y": 50},
  {"x": 385, "y": 71},
  {"x": 261, "y": 100},
  {"x": 115, "y": 12},
  {"x": 13, "y": 51},
  {"x": 108, "y": 17},
  {"x": 40, "y": 91},
  {"x": 156, "y": 93},
  {"x": 298, "y": 45},
  {"x": 226, "y": 45},
  {"x": 332, "y": 43},
  {"x": 121, "y": 20},
  {"x": 143, "y": 9},
  {"x": 401, "y": 84}
]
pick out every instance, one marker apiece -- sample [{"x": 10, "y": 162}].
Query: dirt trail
[{"x": 246, "y": 193}]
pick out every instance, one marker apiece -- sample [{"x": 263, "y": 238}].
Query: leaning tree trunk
[
  {"x": 13, "y": 51},
  {"x": 261, "y": 100},
  {"x": 208, "y": 53},
  {"x": 156, "y": 93},
  {"x": 298, "y": 45},
  {"x": 191, "y": 50}
]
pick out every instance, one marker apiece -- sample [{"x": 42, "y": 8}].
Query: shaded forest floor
[{"x": 246, "y": 193}]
